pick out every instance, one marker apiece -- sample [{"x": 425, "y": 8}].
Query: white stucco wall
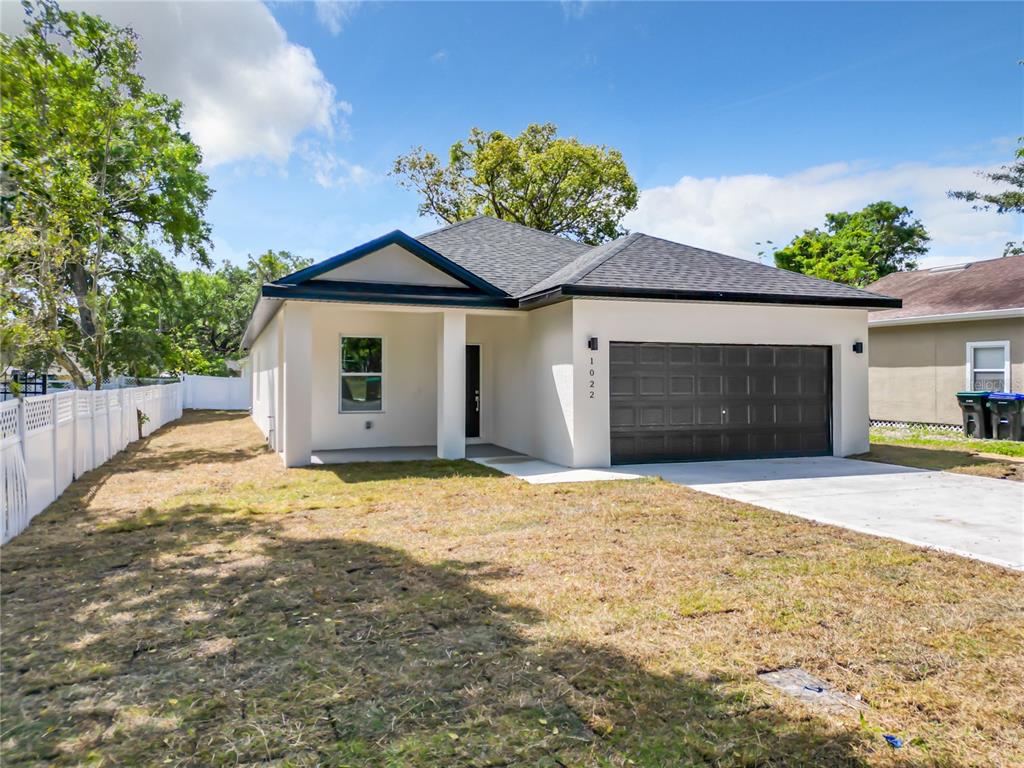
[
  {"x": 552, "y": 366},
  {"x": 719, "y": 323},
  {"x": 536, "y": 380},
  {"x": 263, "y": 359},
  {"x": 410, "y": 377},
  {"x": 392, "y": 264}
]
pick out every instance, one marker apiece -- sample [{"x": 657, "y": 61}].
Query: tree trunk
[
  {"x": 80, "y": 280},
  {"x": 68, "y": 364}
]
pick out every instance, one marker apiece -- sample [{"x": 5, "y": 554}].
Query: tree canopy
[
  {"x": 558, "y": 185},
  {"x": 207, "y": 319},
  {"x": 858, "y": 248},
  {"x": 1010, "y": 199},
  {"x": 97, "y": 178}
]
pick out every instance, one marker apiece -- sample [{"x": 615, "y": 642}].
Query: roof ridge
[
  {"x": 538, "y": 231},
  {"x": 766, "y": 266},
  {"x": 479, "y": 216},
  {"x": 615, "y": 246},
  {"x": 452, "y": 225},
  {"x": 583, "y": 264}
]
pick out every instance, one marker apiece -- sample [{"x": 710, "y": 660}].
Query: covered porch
[{"x": 381, "y": 382}]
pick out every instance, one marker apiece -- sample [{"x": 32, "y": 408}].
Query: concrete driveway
[{"x": 975, "y": 517}]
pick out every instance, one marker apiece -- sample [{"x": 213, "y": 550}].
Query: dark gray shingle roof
[
  {"x": 649, "y": 263},
  {"x": 524, "y": 262},
  {"x": 507, "y": 255}
]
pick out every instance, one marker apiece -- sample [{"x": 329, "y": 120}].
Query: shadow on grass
[
  {"x": 429, "y": 469},
  {"x": 201, "y": 636},
  {"x": 942, "y": 459}
]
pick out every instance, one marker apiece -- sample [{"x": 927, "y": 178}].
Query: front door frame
[{"x": 479, "y": 395}]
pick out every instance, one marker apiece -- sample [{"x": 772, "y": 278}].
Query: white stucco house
[{"x": 639, "y": 349}]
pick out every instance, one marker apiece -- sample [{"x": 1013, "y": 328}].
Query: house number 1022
[{"x": 590, "y": 380}]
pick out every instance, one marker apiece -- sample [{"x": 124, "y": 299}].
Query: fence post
[
  {"x": 74, "y": 434},
  {"x": 53, "y": 445},
  {"x": 21, "y": 428}
]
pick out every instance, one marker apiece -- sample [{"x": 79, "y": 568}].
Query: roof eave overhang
[
  {"x": 595, "y": 291},
  {"x": 417, "y": 295},
  {"x": 262, "y": 313},
  {"x": 273, "y": 295},
  {"x": 948, "y": 317},
  {"x": 410, "y": 244}
]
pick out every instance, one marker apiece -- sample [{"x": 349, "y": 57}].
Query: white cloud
[
  {"x": 575, "y": 9},
  {"x": 330, "y": 170},
  {"x": 732, "y": 213},
  {"x": 334, "y": 14},
  {"x": 248, "y": 92},
  {"x": 439, "y": 57}
]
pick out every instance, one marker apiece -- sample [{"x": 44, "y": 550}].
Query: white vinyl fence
[
  {"x": 219, "y": 392},
  {"x": 49, "y": 440}
]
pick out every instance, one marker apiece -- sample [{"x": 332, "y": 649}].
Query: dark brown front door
[
  {"x": 473, "y": 390},
  {"x": 693, "y": 402}
]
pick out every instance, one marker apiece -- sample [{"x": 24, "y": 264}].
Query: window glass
[
  {"x": 361, "y": 393},
  {"x": 360, "y": 355},
  {"x": 362, "y": 366},
  {"x": 991, "y": 382},
  {"x": 988, "y": 358}
]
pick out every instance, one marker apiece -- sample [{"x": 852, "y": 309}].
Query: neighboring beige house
[{"x": 960, "y": 328}]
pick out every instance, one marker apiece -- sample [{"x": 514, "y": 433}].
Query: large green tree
[
  {"x": 190, "y": 321},
  {"x": 537, "y": 178},
  {"x": 858, "y": 248},
  {"x": 1008, "y": 199},
  {"x": 98, "y": 181},
  {"x": 208, "y": 317}
]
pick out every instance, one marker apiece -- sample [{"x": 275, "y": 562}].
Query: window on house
[
  {"x": 988, "y": 366},
  {"x": 362, "y": 374}
]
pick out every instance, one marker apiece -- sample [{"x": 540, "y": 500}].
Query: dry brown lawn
[{"x": 194, "y": 603}]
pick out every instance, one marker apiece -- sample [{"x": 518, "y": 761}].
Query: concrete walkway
[
  {"x": 538, "y": 472},
  {"x": 976, "y": 517}
]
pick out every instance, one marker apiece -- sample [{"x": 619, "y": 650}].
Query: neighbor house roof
[
  {"x": 510, "y": 266},
  {"x": 990, "y": 288}
]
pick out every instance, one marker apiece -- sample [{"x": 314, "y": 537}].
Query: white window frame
[
  {"x": 971, "y": 346},
  {"x": 342, "y": 373}
]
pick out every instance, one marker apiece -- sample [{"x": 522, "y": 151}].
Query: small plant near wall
[{"x": 142, "y": 418}]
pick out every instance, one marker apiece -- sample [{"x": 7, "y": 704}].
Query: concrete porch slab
[{"x": 404, "y": 453}]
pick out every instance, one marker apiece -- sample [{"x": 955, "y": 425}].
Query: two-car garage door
[{"x": 689, "y": 402}]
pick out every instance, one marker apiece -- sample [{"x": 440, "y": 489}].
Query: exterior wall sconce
[
  {"x": 858, "y": 347},
  {"x": 592, "y": 343}
]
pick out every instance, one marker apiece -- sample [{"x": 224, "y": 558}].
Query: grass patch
[
  {"x": 948, "y": 453},
  {"x": 192, "y": 602},
  {"x": 950, "y": 442}
]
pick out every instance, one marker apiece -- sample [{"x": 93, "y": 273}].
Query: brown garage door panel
[{"x": 679, "y": 402}]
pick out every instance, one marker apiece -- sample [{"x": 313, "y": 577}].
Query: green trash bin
[
  {"x": 973, "y": 407},
  {"x": 1006, "y": 412}
]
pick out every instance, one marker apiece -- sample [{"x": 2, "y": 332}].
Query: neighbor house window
[
  {"x": 362, "y": 374},
  {"x": 988, "y": 366}
]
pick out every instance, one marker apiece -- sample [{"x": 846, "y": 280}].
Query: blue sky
[{"x": 739, "y": 121}]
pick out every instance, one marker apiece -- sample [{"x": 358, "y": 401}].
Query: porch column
[
  {"x": 451, "y": 385},
  {"x": 297, "y": 393}
]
